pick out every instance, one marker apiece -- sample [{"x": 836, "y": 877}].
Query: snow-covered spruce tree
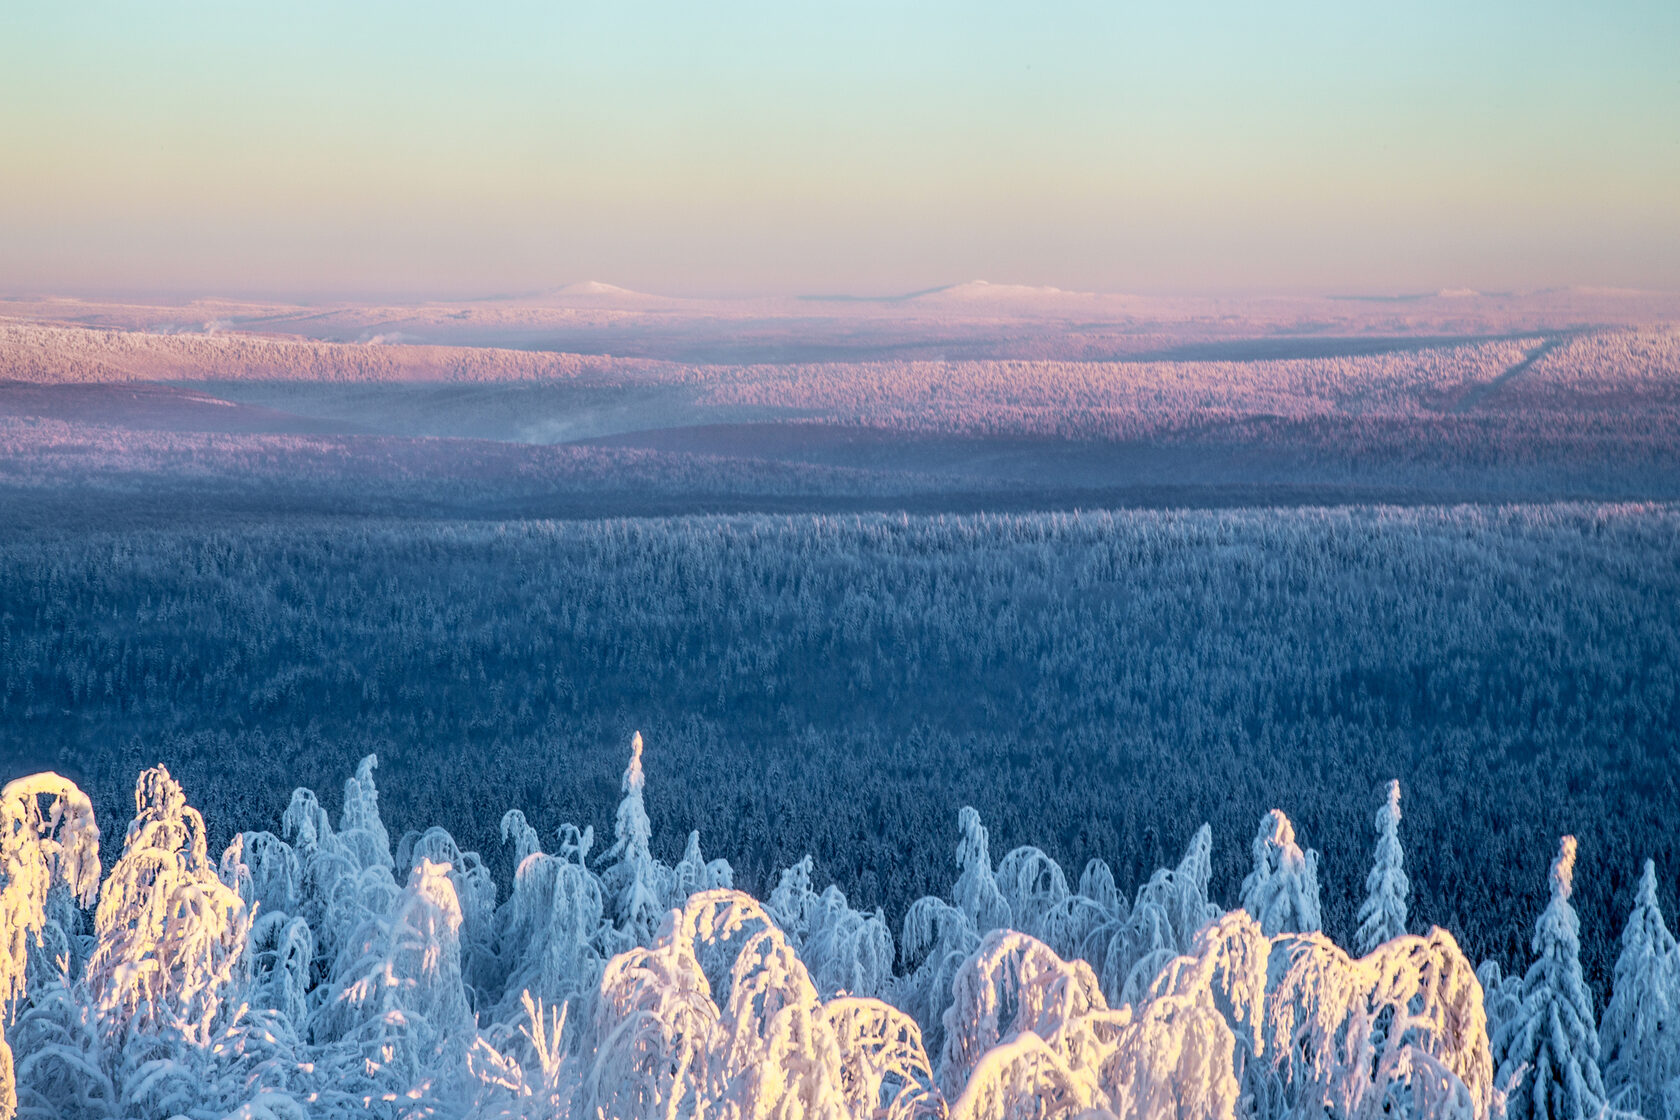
[
  {"x": 634, "y": 882},
  {"x": 1639, "y": 1036},
  {"x": 38, "y": 850},
  {"x": 718, "y": 1017},
  {"x": 937, "y": 939},
  {"x": 976, "y": 891},
  {"x": 792, "y": 901},
  {"x": 694, "y": 873},
  {"x": 1501, "y": 996},
  {"x": 396, "y": 1021},
  {"x": 847, "y": 952},
  {"x": 1096, "y": 905},
  {"x": 1032, "y": 884},
  {"x": 1551, "y": 1042},
  {"x": 1170, "y": 908},
  {"x": 63, "y": 1072},
  {"x": 551, "y": 929},
  {"x": 1400, "y": 1031},
  {"x": 171, "y": 934},
  {"x": 1015, "y": 987},
  {"x": 475, "y": 890},
  {"x": 1282, "y": 890},
  {"x": 359, "y": 825},
  {"x": 265, "y": 870},
  {"x": 1029, "y": 1034},
  {"x": 1383, "y": 916},
  {"x": 1183, "y": 891},
  {"x": 1140, "y": 947},
  {"x": 348, "y": 872}
]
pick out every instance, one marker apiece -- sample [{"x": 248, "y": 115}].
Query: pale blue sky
[{"x": 334, "y": 148}]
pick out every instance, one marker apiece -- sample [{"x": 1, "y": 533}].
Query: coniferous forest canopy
[
  {"x": 1096, "y": 684},
  {"x": 1045, "y": 708}
]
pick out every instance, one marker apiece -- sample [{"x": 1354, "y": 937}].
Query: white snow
[{"x": 317, "y": 975}]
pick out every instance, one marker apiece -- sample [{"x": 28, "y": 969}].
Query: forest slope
[{"x": 1094, "y": 683}]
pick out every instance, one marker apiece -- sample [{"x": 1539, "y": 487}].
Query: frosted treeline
[
  {"x": 1620, "y": 369},
  {"x": 39, "y": 454},
  {"x": 1116, "y": 399},
  {"x": 331, "y": 972},
  {"x": 1535, "y": 416},
  {"x": 38, "y": 352},
  {"x": 1606, "y": 368}
]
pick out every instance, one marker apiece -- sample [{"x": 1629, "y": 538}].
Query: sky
[{"x": 333, "y": 150}]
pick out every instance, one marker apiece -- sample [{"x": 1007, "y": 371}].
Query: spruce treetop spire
[
  {"x": 1549, "y": 1049},
  {"x": 1638, "y": 1037},
  {"x": 1282, "y": 890},
  {"x": 1383, "y": 916},
  {"x": 633, "y": 780}
]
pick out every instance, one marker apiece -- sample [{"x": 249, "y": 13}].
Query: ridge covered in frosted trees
[
  {"x": 327, "y": 972},
  {"x": 152, "y": 426}
]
